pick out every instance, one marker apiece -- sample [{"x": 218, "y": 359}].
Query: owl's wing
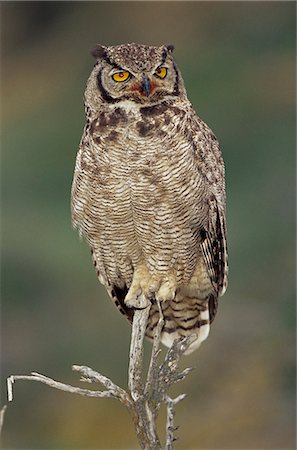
[
  {"x": 210, "y": 166},
  {"x": 81, "y": 192},
  {"x": 83, "y": 199},
  {"x": 214, "y": 248}
]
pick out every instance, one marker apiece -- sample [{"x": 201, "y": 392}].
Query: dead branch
[{"x": 146, "y": 394}]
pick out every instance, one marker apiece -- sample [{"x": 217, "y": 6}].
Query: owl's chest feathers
[
  {"x": 143, "y": 158},
  {"x": 145, "y": 188},
  {"x": 138, "y": 142}
]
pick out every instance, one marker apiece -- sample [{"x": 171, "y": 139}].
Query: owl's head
[{"x": 143, "y": 74}]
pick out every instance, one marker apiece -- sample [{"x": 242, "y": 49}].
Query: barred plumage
[{"x": 148, "y": 191}]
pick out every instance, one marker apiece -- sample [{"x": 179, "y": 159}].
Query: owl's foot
[
  {"x": 146, "y": 287},
  {"x": 167, "y": 289},
  {"x": 136, "y": 300},
  {"x": 136, "y": 297}
]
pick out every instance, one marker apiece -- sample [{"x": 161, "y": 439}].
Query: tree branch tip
[
  {"x": 77, "y": 368},
  {"x": 85, "y": 380},
  {"x": 85, "y": 375},
  {"x": 174, "y": 401},
  {"x": 39, "y": 375},
  {"x": 185, "y": 372},
  {"x": 9, "y": 383},
  {"x": 2, "y": 413},
  {"x": 186, "y": 342},
  {"x": 83, "y": 369}
]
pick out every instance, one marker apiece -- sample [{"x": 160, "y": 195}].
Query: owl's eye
[
  {"x": 161, "y": 72},
  {"x": 121, "y": 76}
]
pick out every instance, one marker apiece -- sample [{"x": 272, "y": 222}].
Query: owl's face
[{"x": 139, "y": 73}]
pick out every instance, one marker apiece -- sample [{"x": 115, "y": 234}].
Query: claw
[
  {"x": 136, "y": 300},
  {"x": 145, "y": 288},
  {"x": 167, "y": 290}
]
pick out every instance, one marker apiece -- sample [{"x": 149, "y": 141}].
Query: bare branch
[
  {"x": 56, "y": 385},
  {"x": 91, "y": 376},
  {"x": 145, "y": 398},
  {"x": 167, "y": 373},
  {"x": 136, "y": 352},
  {"x": 2, "y": 413},
  {"x": 170, "y": 420},
  {"x": 152, "y": 371},
  {"x": 142, "y": 415}
]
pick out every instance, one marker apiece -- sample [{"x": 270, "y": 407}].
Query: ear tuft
[
  {"x": 99, "y": 51},
  {"x": 169, "y": 48}
]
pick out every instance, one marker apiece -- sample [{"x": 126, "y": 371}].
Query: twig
[
  {"x": 2, "y": 413},
  {"x": 170, "y": 422},
  {"x": 57, "y": 385},
  {"x": 91, "y": 376},
  {"x": 145, "y": 398}
]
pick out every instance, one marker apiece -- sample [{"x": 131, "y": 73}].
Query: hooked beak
[{"x": 146, "y": 85}]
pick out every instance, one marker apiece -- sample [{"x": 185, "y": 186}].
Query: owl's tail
[{"x": 184, "y": 316}]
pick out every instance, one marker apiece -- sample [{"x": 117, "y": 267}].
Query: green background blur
[{"x": 238, "y": 62}]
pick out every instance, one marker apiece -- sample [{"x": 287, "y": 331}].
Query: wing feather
[
  {"x": 210, "y": 166},
  {"x": 214, "y": 249}
]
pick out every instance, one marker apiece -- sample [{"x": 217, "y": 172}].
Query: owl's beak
[{"x": 146, "y": 86}]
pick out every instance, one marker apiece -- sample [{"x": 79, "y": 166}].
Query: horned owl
[{"x": 148, "y": 192}]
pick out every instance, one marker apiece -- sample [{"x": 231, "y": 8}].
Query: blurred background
[{"x": 238, "y": 62}]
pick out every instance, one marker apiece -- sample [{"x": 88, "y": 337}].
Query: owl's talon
[
  {"x": 149, "y": 295},
  {"x": 167, "y": 291},
  {"x": 153, "y": 287},
  {"x": 137, "y": 302},
  {"x": 135, "y": 298}
]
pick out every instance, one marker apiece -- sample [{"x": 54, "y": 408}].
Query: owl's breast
[
  {"x": 146, "y": 191},
  {"x": 168, "y": 195}
]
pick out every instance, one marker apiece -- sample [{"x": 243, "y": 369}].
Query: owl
[{"x": 148, "y": 192}]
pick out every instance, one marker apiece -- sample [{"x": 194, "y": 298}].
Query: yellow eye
[
  {"x": 161, "y": 72},
  {"x": 121, "y": 76}
]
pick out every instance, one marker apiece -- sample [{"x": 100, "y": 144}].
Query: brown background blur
[{"x": 238, "y": 62}]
